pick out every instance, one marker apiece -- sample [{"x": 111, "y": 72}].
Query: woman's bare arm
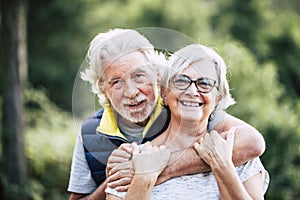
[{"x": 249, "y": 144}]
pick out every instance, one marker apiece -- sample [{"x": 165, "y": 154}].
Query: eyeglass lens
[{"x": 203, "y": 84}]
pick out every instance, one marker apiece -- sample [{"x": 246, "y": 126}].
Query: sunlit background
[{"x": 259, "y": 40}]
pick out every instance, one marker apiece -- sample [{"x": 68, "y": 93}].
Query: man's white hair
[{"x": 106, "y": 47}]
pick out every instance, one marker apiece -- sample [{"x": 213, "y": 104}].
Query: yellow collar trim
[{"x": 108, "y": 124}]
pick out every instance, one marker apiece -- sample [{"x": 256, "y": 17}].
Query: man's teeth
[
  {"x": 134, "y": 103},
  {"x": 191, "y": 104}
]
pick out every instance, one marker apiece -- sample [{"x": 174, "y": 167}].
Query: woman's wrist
[
  {"x": 223, "y": 168},
  {"x": 146, "y": 177}
]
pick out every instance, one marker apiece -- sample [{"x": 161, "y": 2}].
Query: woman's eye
[
  {"x": 205, "y": 83},
  {"x": 139, "y": 75}
]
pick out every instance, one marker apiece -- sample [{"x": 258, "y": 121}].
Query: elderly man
[{"x": 125, "y": 74}]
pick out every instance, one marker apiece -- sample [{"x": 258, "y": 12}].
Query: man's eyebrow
[{"x": 139, "y": 70}]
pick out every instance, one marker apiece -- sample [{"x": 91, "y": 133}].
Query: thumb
[
  {"x": 135, "y": 148},
  {"x": 230, "y": 135}
]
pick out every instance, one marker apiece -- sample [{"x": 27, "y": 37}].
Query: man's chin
[{"x": 139, "y": 117}]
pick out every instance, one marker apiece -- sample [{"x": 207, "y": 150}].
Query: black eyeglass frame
[{"x": 211, "y": 83}]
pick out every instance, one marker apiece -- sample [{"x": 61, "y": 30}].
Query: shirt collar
[{"x": 108, "y": 124}]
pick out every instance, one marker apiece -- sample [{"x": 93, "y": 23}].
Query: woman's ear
[
  {"x": 164, "y": 94},
  {"x": 219, "y": 98}
]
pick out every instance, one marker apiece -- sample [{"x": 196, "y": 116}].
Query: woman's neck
[{"x": 183, "y": 134}]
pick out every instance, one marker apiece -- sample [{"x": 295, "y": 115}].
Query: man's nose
[{"x": 131, "y": 89}]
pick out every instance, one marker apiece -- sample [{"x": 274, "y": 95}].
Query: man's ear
[
  {"x": 158, "y": 78},
  {"x": 101, "y": 86}
]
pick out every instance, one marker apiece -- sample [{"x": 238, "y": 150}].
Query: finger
[
  {"x": 135, "y": 148},
  {"x": 121, "y": 166},
  {"x": 109, "y": 166},
  {"x": 147, "y": 147},
  {"x": 120, "y": 153},
  {"x": 155, "y": 148},
  {"x": 207, "y": 142},
  {"x": 120, "y": 182},
  {"x": 215, "y": 137},
  {"x": 201, "y": 151},
  {"x": 120, "y": 175},
  {"x": 118, "y": 159},
  {"x": 196, "y": 146},
  {"x": 123, "y": 188},
  {"x": 126, "y": 147},
  {"x": 233, "y": 130},
  {"x": 230, "y": 136},
  {"x": 161, "y": 147},
  {"x": 200, "y": 140}
]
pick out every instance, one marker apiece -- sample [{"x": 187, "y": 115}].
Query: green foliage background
[{"x": 259, "y": 40}]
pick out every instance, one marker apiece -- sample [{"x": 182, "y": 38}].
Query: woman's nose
[{"x": 193, "y": 90}]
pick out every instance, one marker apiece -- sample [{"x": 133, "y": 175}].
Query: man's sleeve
[{"x": 81, "y": 180}]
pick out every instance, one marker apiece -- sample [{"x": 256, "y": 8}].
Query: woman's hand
[
  {"x": 214, "y": 150},
  {"x": 151, "y": 160}
]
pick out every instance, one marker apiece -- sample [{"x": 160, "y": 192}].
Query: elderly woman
[{"x": 193, "y": 88}]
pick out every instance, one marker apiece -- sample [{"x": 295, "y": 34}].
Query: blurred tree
[
  {"x": 14, "y": 62},
  {"x": 50, "y": 136},
  {"x": 288, "y": 63},
  {"x": 57, "y": 41},
  {"x": 257, "y": 92},
  {"x": 243, "y": 20},
  {"x": 261, "y": 43}
]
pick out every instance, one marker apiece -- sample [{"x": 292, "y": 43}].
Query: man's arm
[
  {"x": 249, "y": 144},
  {"x": 181, "y": 163},
  {"x": 98, "y": 194},
  {"x": 81, "y": 181}
]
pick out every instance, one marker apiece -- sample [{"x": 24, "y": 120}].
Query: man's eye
[
  {"x": 139, "y": 77},
  {"x": 116, "y": 83}
]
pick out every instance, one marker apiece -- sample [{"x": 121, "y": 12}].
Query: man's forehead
[
  {"x": 128, "y": 68},
  {"x": 132, "y": 56}
]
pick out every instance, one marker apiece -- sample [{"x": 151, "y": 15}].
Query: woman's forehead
[{"x": 205, "y": 68}]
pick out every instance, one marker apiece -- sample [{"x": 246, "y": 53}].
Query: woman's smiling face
[{"x": 190, "y": 104}]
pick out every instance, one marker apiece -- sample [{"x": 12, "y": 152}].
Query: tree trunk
[{"x": 14, "y": 63}]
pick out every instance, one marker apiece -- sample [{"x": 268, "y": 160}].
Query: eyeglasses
[{"x": 203, "y": 84}]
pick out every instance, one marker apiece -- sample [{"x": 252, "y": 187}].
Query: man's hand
[
  {"x": 120, "y": 155},
  {"x": 119, "y": 170}
]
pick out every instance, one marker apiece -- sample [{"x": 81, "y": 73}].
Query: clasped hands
[{"x": 129, "y": 159}]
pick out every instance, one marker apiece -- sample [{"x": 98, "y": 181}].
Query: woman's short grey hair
[
  {"x": 187, "y": 56},
  {"x": 106, "y": 47}
]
